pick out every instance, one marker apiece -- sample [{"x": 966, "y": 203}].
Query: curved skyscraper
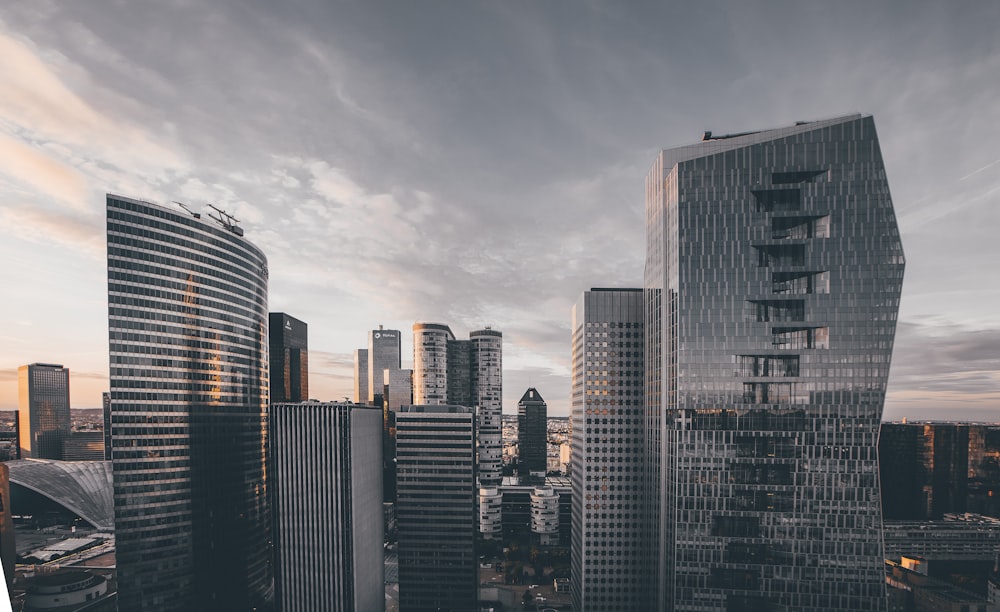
[
  {"x": 187, "y": 306},
  {"x": 772, "y": 284},
  {"x": 430, "y": 363},
  {"x": 486, "y": 382}
]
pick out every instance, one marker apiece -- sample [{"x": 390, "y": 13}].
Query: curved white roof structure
[{"x": 83, "y": 487}]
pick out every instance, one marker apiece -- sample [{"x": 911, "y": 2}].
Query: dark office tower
[
  {"x": 360, "y": 376},
  {"x": 430, "y": 363},
  {"x": 42, "y": 410},
  {"x": 106, "y": 401},
  {"x": 459, "y": 375},
  {"x": 773, "y": 275},
  {"x": 606, "y": 421},
  {"x": 436, "y": 508},
  {"x": 383, "y": 354},
  {"x": 486, "y": 389},
  {"x": 187, "y": 306},
  {"x": 326, "y": 467},
  {"x": 902, "y": 472},
  {"x": 289, "y": 349},
  {"x": 532, "y": 434}
]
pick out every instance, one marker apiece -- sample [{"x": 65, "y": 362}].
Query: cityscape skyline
[{"x": 96, "y": 106}]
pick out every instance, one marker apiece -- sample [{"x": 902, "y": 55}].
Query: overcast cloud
[{"x": 476, "y": 163}]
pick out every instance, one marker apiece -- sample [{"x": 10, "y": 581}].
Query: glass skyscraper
[
  {"x": 43, "y": 417},
  {"x": 773, "y": 275},
  {"x": 187, "y": 318},
  {"x": 289, "y": 352}
]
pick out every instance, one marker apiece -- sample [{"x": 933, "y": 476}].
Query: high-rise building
[
  {"x": 430, "y": 363},
  {"x": 486, "y": 389},
  {"x": 187, "y": 317},
  {"x": 360, "y": 376},
  {"x": 931, "y": 469},
  {"x": 397, "y": 389},
  {"x": 532, "y": 433},
  {"x": 383, "y": 354},
  {"x": 43, "y": 417},
  {"x": 327, "y": 479},
  {"x": 289, "y": 351},
  {"x": 772, "y": 283},
  {"x": 436, "y": 508},
  {"x": 606, "y": 421}
]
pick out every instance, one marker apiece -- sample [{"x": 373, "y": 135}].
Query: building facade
[
  {"x": 932, "y": 469},
  {"x": 288, "y": 340},
  {"x": 360, "y": 376},
  {"x": 106, "y": 405},
  {"x": 430, "y": 363},
  {"x": 532, "y": 434},
  {"x": 772, "y": 284},
  {"x": 326, "y": 466},
  {"x": 486, "y": 389},
  {"x": 43, "y": 417},
  {"x": 606, "y": 419},
  {"x": 188, "y": 321},
  {"x": 383, "y": 354},
  {"x": 436, "y": 508}
]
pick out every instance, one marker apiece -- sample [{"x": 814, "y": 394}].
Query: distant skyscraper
[
  {"x": 360, "y": 376},
  {"x": 43, "y": 410},
  {"x": 436, "y": 508},
  {"x": 397, "y": 389},
  {"x": 326, "y": 460},
  {"x": 486, "y": 389},
  {"x": 383, "y": 354},
  {"x": 430, "y": 363},
  {"x": 772, "y": 283},
  {"x": 606, "y": 423},
  {"x": 532, "y": 433},
  {"x": 187, "y": 305},
  {"x": 931, "y": 469},
  {"x": 289, "y": 351}
]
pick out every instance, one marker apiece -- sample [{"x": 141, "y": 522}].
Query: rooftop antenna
[
  {"x": 226, "y": 220},
  {"x": 189, "y": 211}
]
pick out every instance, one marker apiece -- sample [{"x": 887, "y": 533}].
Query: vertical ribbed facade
[
  {"x": 326, "y": 464},
  {"x": 606, "y": 417},
  {"x": 430, "y": 363},
  {"x": 436, "y": 508},
  {"x": 773, "y": 276},
  {"x": 486, "y": 382},
  {"x": 43, "y": 410},
  {"x": 187, "y": 312}
]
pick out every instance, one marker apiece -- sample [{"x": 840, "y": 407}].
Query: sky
[{"x": 476, "y": 163}]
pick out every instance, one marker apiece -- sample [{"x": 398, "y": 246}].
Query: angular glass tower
[
  {"x": 187, "y": 318},
  {"x": 772, "y": 283}
]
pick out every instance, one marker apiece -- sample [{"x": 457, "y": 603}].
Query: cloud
[{"x": 946, "y": 367}]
